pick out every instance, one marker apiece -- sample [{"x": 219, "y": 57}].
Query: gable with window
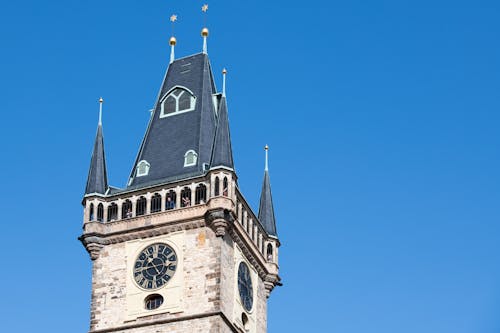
[{"x": 178, "y": 100}]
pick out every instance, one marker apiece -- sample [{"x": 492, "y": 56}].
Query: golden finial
[
  {"x": 266, "y": 147},
  {"x": 204, "y": 32},
  {"x": 173, "y": 41},
  {"x": 204, "y": 8},
  {"x": 101, "y": 100},
  {"x": 224, "y": 71},
  {"x": 173, "y": 18}
]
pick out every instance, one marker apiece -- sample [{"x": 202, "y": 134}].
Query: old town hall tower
[{"x": 179, "y": 249}]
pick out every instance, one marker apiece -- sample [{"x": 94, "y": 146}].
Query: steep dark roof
[
  {"x": 266, "y": 208},
  {"x": 97, "y": 181},
  {"x": 168, "y": 139},
  {"x": 222, "y": 151}
]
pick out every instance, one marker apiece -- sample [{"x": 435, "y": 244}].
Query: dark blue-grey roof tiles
[
  {"x": 266, "y": 208},
  {"x": 97, "y": 180},
  {"x": 168, "y": 139},
  {"x": 222, "y": 151}
]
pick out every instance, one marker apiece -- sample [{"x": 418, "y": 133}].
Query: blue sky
[{"x": 382, "y": 118}]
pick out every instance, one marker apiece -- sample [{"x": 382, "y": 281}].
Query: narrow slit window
[
  {"x": 217, "y": 186},
  {"x": 224, "y": 187},
  {"x": 91, "y": 212},
  {"x": 100, "y": 212},
  {"x": 269, "y": 252}
]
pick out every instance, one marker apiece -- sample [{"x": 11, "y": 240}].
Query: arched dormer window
[
  {"x": 178, "y": 100},
  {"x": 143, "y": 168},
  {"x": 190, "y": 158}
]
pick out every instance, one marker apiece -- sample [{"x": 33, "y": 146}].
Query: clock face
[
  {"x": 155, "y": 266},
  {"x": 245, "y": 286}
]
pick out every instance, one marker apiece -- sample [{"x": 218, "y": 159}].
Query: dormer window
[
  {"x": 142, "y": 168},
  {"x": 190, "y": 158},
  {"x": 179, "y": 100}
]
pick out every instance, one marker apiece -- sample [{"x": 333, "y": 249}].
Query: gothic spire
[
  {"x": 266, "y": 208},
  {"x": 97, "y": 181},
  {"x": 222, "y": 154}
]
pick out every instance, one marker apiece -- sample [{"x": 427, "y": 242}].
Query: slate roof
[
  {"x": 97, "y": 180},
  {"x": 266, "y": 208},
  {"x": 168, "y": 139},
  {"x": 222, "y": 151}
]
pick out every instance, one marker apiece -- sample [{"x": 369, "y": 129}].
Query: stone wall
[{"x": 201, "y": 286}]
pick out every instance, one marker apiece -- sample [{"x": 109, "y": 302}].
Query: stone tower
[{"x": 179, "y": 249}]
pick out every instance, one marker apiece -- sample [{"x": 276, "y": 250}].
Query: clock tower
[{"x": 179, "y": 249}]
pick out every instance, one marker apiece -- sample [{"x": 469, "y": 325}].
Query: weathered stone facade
[{"x": 212, "y": 240}]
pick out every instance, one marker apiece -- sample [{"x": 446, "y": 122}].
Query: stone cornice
[{"x": 170, "y": 320}]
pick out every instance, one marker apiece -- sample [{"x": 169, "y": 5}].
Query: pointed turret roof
[
  {"x": 97, "y": 181},
  {"x": 222, "y": 151},
  {"x": 266, "y": 208},
  {"x": 170, "y": 137}
]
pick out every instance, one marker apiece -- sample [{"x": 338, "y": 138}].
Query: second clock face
[
  {"x": 245, "y": 286},
  {"x": 155, "y": 266}
]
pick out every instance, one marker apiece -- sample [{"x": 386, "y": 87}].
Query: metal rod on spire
[
  {"x": 173, "y": 41},
  {"x": 100, "y": 110},
  {"x": 266, "y": 148},
  {"x": 204, "y": 31},
  {"x": 224, "y": 72}
]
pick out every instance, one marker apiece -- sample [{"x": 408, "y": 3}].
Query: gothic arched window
[
  {"x": 156, "y": 203},
  {"x": 112, "y": 212},
  {"x": 224, "y": 187},
  {"x": 177, "y": 101},
  {"x": 91, "y": 213},
  {"x": 217, "y": 186},
  {"x": 269, "y": 252},
  {"x": 170, "y": 200},
  {"x": 100, "y": 212},
  {"x": 186, "y": 197},
  {"x": 200, "y": 195},
  {"x": 140, "y": 209}
]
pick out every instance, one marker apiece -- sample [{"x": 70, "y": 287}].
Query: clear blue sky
[{"x": 382, "y": 118}]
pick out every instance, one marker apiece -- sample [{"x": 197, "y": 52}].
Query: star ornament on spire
[
  {"x": 204, "y": 8},
  {"x": 173, "y": 18}
]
